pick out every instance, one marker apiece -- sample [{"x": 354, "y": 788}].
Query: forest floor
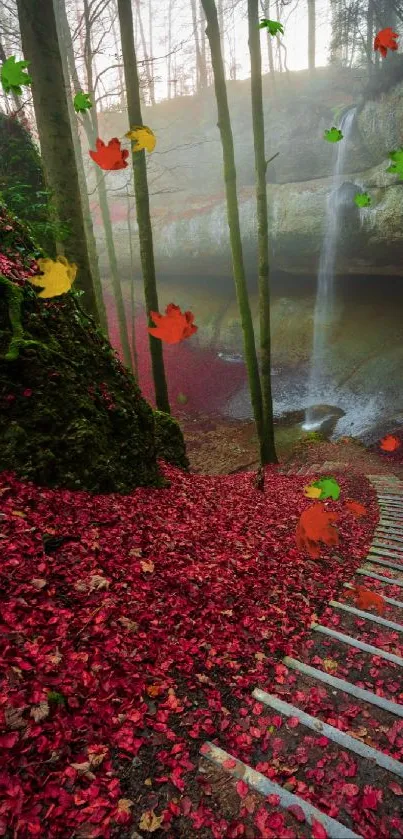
[
  {"x": 216, "y": 446},
  {"x": 134, "y": 629}
]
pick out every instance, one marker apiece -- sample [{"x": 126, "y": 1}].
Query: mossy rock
[
  {"x": 71, "y": 415},
  {"x": 169, "y": 440}
]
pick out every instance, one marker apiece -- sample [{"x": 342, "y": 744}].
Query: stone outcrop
[{"x": 186, "y": 181}]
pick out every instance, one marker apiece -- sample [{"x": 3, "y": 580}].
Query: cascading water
[{"x": 324, "y": 306}]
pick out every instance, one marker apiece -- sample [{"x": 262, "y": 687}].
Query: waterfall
[{"x": 324, "y": 306}]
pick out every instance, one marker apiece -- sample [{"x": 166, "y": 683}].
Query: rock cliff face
[
  {"x": 186, "y": 180},
  {"x": 192, "y": 250}
]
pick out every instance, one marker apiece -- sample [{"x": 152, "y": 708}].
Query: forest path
[{"x": 337, "y": 744}]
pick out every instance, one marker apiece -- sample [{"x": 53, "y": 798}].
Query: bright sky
[{"x": 295, "y": 38}]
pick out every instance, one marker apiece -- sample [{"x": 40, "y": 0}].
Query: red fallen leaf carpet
[{"x": 132, "y": 640}]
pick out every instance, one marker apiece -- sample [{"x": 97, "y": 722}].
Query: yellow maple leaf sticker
[
  {"x": 150, "y": 822},
  {"x": 312, "y": 492},
  {"x": 330, "y": 665},
  {"x": 142, "y": 137},
  {"x": 58, "y": 276}
]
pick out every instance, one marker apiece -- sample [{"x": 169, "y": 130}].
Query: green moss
[
  {"x": 169, "y": 440},
  {"x": 71, "y": 415},
  {"x": 75, "y": 419},
  {"x": 309, "y": 438}
]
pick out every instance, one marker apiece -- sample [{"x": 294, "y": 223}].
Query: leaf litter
[{"x": 143, "y": 638}]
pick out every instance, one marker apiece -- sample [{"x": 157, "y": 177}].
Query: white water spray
[{"x": 324, "y": 306}]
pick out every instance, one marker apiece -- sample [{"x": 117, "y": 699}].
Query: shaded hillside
[{"x": 71, "y": 415}]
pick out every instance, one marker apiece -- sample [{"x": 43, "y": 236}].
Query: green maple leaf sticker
[
  {"x": 397, "y": 165},
  {"x": 82, "y": 102},
  {"x": 272, "y": 25},
  {"x": 329, "y": 488},
  {"x": 362, "y": 199},
  {"x": 55, "y": 696},
  {"x": 333, "y": 135},
  {"x": 13, "y": 76}
]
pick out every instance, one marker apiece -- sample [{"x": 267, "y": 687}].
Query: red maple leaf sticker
[
  {"x": 366, "y": 599},
  {"x": 386, "y": 40},
  {"x": 174, "y": 326},
  {"x": 356, "y": 508},
  {"x": 389, "y": 443},
  {"x": 110, "y": 156},
  {"x": 315, "y": 526}
]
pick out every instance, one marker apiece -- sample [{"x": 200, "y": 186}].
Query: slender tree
[
  {"x": 201, "y": 71},
  {"x": 265, "y": 8},
  {"x": 142, "y": 200},
  {"x": 90, "y": 124},
  {"x": 41, "y": 48},
  {"x": 268, "y": 446},
  {"x": 369, "y": 44},
  {"x": 89, "y": 227},
  {"x": 132, "y": 289},
  {"x": 203, "y": 59},
  {"x": 311, "y": 34},
  {"x": 224, "y": 125},
  {"x": 147, "y": 66}
]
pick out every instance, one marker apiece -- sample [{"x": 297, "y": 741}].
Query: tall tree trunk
[
  {"x": 90, "y": 124},
  {"x": 268, "y": 451},
  {"x": 132, "y": 295},
  {"x": 280, "y": 63},
  {"x": 370, "y": 37},
  {"x": 203, "y": 58},
  {"x": 41, "y": 47},
  {"x": 116, "y": 47},
  {"x": 142, "y": 201},
  {"x": 151, "y": 51},
  {"x": 224, "y": 125},
  {"x": 61, "y": 22},
  {"x": 169, "y": 50},
  {"x": 197, "y": 46},
  {"x": 266, "y": 14},
  {"x": 145, "y": 53},
  {"x": 311, "y": 34},
  {"x": 220, "y": 13}
]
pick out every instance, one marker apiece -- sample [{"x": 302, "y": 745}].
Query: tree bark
[
  {"x": 132, "y": 295},
  {"x": 200, "y": 64},
  {"x": 142, "y": 201},
  {"x": 90, "y": 124},
  {"x": 268, "y": 451},
  {"x": 61, "y": 23},
  {"x": 224, "y": 124},
  {"x": 203, "y": 59},
  {"x": 370, "y": 37},
  {"x": 280, "y": 63},
  {"x": 311, "y": 34},
  {"x": 41, "y": 47},
  {"x": 169, "y": 50},
  {"x": 145, "y": 53},
  {"x": 151, "y": 51}
]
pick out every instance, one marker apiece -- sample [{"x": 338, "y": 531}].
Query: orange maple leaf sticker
[
  {"x": 174, "y": 326},
  {"x": 110, "y": 156},
  {"x": 356, "y": 508},
  {"x": 389, "y": 443},
  {"x": 315, "y": 525},
  {"x": 366, "y": 599},
  {"x": 386, "y": 40}
]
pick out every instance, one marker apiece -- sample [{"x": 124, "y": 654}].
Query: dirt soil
[{"x": 216, "y": 446}]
